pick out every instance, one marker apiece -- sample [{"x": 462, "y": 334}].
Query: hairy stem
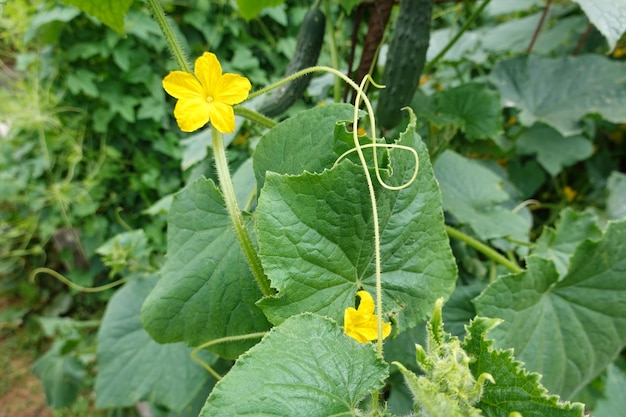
[
  {"x": 255, "y": 117},
  {"x": 484, "y": 249},
  {"x": 228, "y": 192},
  {"x": 172, "y": 43}
]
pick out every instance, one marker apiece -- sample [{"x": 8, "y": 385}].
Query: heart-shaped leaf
[
  {"x": 554, "y": 323},
  {"x": 122, "y": 341},
  {"x": 304, "y": 367},
  {"x": 316, "y": 239},
  {"x": 206, "y": 290}
]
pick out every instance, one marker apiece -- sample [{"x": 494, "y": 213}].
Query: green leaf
[
  {"x": 251, "y": 8},
  {"x": 616, "y": 202},
  {"x": 568, "y": 329},
  {"x": 512, "y": 36},
  {"x": 474, "y": 195},
  {"x": 612, "y": 404},
  {"x": 206, "y": 290},
  {"x": 306, "y": 367},
  {"x": 283, "y": 152},
  {"x": 109, "y": 12},
  {"x": 608, "y": 16},
  {"x": 82, "y": 80},
  {"x": 61, "y": 375},
  {"x": 475, "y": 107},
  {"x": 559, "y": 243},
  {"x": 527, "y": 176},
  {"x": 348, "y": 5},
  {"x": 316, "y": 239},
  {"x": 163, "y": 374},
  {"x": 195, "y": 148},
  {"x": 554, "y": 152},
  {"x": 560, "y": 91},
  {"x": 514, "y": 390},
  {"x": 507, "y": 7}
]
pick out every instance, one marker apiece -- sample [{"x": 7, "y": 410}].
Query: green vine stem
[
  {"x": 255, "y": 117},
  {"x": 456, "y": 37},
  {"x": 484, "y": 249},
  {"x": 228, "y": 192},
  {"x": 168, "y": 33},
  {"x": 334, "y": 57}
]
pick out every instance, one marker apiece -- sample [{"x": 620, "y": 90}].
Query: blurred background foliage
[{"x": 89, "y": 150}]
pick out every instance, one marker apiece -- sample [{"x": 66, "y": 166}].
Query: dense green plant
[{"x": 529, "y": 255}]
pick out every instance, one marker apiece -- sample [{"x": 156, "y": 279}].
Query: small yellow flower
[
  {"x": 361, "y": 324},
  {"x": 206, "y": 97},
  {"x": 570, "y": 193}
]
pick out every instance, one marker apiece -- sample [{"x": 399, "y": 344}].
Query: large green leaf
[
  {"x": 473, "y": 108},
  {"x": 512, "y": 37},
  {"x": 554, "y": 152},
  {"x": 559, "y": 243},
  {"x": 304, "y": 367},
  {"x": 476, "y": 108},
  {"x": 316, "y": 241},
  {"x": 514, "y": 389},
  {"x": 132, "y": 367},
  {"x": 612, "y": 403},
  {"x": 109, "y": 12},
  {"x": 568, "y": 329},
  {"x": 289, "y": 146},
  {"x": 62, "y": 376},
  {"x": 560, "y": 91},
  {"x": 206, "y": 290},
  {"x": 251, "y": 8},
  {"x": 474, "y": 195},
  {"x": 608, "y": 16}
]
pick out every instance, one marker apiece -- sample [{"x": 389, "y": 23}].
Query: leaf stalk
[
  {"x": 484, "y": 249},
  {"x": 228, "y": 192}
]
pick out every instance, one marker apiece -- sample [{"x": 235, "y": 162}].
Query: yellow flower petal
[
  {"x": 222, "y": 117},
  {"x": 209, "y": 71},
  {"x": 232, "y": 89},
  {"x": 179, "y": 84},
  {"x": 207, "y": 96},
  {"x": 191, "y": 113},
  {"x": 362, "y": 324},
  {"x": 366, "y": 306}
]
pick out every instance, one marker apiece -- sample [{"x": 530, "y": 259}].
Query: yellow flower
[
  {"x": 361, "y": 324},
  {"x": 206, "y": 97}
]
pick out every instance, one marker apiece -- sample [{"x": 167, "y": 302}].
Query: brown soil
[{"x": 21, "y": 393}]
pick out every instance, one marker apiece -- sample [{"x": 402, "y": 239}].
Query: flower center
[{"x": 209, "y": 99}]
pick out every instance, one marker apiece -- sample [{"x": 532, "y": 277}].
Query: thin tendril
[
  {"x": 387, "y": 146},
  {"x": 370, "y": 187},
  {"x": 194, "y": 353},
  {"x": 73, "y": 285},
  {"x": 120, "y": 220}
]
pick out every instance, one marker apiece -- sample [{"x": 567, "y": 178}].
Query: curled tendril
[{"x": 377, "y": 168}]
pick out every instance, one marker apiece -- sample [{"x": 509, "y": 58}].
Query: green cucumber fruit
[
  {"x": 308, "y": 48},
  {"x": 405, "y": 60}
]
